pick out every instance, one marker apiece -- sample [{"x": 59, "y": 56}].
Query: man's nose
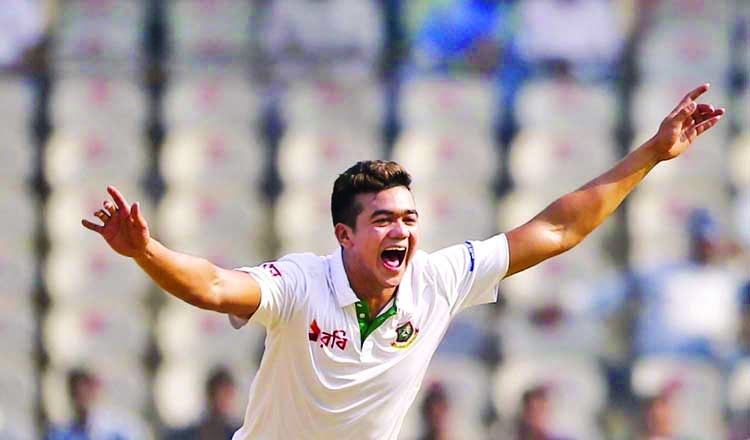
[{"x": 399, "y": 229}]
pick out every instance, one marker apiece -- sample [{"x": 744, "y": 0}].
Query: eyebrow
[{"x": 392, "y": 213}]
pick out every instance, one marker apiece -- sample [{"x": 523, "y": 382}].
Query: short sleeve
[
  {"x": 282, "y": 283},
  {"x": 469, "y": 273}
]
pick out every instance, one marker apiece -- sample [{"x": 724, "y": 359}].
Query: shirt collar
[
  {"x": 341, "y": 288},
  {"x": 345, "y": 296}
]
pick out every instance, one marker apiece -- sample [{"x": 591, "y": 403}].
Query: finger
[
  {"x": 691, "y": 96},
  {"x": 698, "y": 118},
  {"x": 685, "y": 112},
  {"x": 101, "y": 215},
  {"x": 92, "y": 226},
  {"x": 706, "y": 125},
  {"x": 110, "y": 207},
  {"x": 705, "y": 108},
  {"x": 118, "y": 198},
  {"x": 135, "y": 214}
]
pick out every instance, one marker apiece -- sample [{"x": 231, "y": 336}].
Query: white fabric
[{"x": 310, "y": 390}]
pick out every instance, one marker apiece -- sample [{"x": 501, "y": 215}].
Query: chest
[{"x": 339, "y": 352}]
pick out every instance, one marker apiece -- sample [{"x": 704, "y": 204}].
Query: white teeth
[{"x": 396, "y": 248}]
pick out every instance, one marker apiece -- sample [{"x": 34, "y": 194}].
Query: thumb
[
  {"x": 136, "y": 216},
  {"x": 685, "y": 112}
]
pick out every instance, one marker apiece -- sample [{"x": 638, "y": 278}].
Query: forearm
[
  {"x": 191, "y": 279},
  {"x": 576, "y": 214}
]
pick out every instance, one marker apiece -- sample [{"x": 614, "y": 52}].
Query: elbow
[{"x": 568, "y": 240}]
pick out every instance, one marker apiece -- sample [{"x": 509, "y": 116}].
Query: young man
[{"x": 350, "y": 335}]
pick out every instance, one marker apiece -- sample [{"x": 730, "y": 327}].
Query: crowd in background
[{"x": 229, "y": 121}]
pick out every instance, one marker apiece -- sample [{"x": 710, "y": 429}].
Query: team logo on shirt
[
  {"x": 335, "y": 339},
  {"x": 405, "y": 335}
]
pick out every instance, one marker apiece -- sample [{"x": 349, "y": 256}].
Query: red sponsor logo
[
  {"x": 335, "y": 339},
  {"x": 270, "y": 267}
]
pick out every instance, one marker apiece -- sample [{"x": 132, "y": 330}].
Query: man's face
[{"x": 386, "y": 236}]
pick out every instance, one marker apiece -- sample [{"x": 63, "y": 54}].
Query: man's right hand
[{"x": 124, "y": 228}]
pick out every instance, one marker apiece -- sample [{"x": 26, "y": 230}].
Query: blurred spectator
[
  {"x": 533, "y": 421},
  {"x": 435, "y": 413},
  {"x": 463, "y": 34},
  {"x": 21, "y": 26},
  {"x": 89, "y": 422},
  {"x": 658, "y": 416},
  {"x": 305, "y": 39},
  {"x": 690, "y": 308},
  {"x": 218, "y": 421},
  {"x": 744, "y": 326}
]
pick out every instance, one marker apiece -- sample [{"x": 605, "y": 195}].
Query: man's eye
[
  {"x": 410, "y": 220},
  {"x": 382, "y": 221}
]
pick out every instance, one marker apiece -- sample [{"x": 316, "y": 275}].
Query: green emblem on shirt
[{"x": 405, "y": 335}]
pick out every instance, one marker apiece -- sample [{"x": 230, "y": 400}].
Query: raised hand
[
  {"x": 685, "y": 123},
  {"x": 124, "y": 228}
]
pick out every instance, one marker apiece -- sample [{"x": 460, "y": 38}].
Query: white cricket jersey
[{"x": 318, "y": 379}]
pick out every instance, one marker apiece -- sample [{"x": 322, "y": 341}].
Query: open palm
[
  {"x": 124, "y": 228},
  {"x": 685, "y": 123}
]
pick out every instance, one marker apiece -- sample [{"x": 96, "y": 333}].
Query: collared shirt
[{"x": 318, "y": 379}]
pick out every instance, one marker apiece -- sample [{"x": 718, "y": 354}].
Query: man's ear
[{"x": 344, "y": 234}]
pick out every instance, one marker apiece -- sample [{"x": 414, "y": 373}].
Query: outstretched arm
[
  {"x": 192, "y": 279},
  {"x": 569, "y": 219}
]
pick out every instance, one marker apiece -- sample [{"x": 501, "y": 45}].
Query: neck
[{"x": 366, "y": 288}]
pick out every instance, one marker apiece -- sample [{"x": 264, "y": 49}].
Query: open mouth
[{"x": 393, "y": 257}]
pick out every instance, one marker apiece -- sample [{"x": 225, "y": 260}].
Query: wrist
[
  {"x": 148, "y": 252},
  {"x": 652, "y": 152}
]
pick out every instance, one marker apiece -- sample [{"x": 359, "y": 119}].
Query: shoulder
[{"x": 306, "y": 264}]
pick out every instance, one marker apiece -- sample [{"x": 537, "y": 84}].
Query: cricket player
[{"x": 350, "y": 335}]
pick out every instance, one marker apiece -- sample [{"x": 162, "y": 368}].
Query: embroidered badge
[{"x": 405, "y": 335}]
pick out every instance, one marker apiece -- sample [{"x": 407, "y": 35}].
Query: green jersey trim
[{"x": 368, "y": 325}]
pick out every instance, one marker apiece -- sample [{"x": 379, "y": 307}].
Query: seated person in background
[
  {"x": 89, "y": 423},
  {"x": 658, "y": 416},
  {"x": 533, "y": 421},
  {"x": 464, "y": 34},
  {"x": 691, "y": 307},
  {"x": 435, "y": 410},
  {"x": 217, "y": 422}
]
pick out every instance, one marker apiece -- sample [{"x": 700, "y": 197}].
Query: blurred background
[{"x": 229, "y": 121}]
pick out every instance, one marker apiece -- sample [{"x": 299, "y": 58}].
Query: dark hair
[
  {"x": 219, "y": 376},
  {"x": 76, "y": 377},
  {"x": 364, "y": 177}
]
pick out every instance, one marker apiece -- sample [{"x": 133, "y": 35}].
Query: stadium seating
[
  {"x": 93, "y": 275},
  {"x": 462, "y": 103},
  {"x": 575, "y": 385},
  {"x": 209, "y": 30},
  {"x": 316, "y": 157},
  {"x": 439, "y": 157},
  {"x": 122, "y": 393},
  {"x": 195, "y": 219},
  {"x": 561, "y": 161},
  {"x": 738, "y": 387},
  {"x": 215, "y": 158},
  {"x": 465, "y": 382},
  {"x": 87, "y": 334},
  {"x": 179, "y": 389},
  {"x": 567, "y": 105},
  {"x": 210, "y": 98},
  {"x": 85, "y": 197},
  {"x": 182, "y": 332},
  {"x": 697, "y": 392},
  {"x": 104, "y": 31},
  {"x": 329, "y": 105},
  {"x": 658, "y": 214},
  {"x": 302, "y": 221}
]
